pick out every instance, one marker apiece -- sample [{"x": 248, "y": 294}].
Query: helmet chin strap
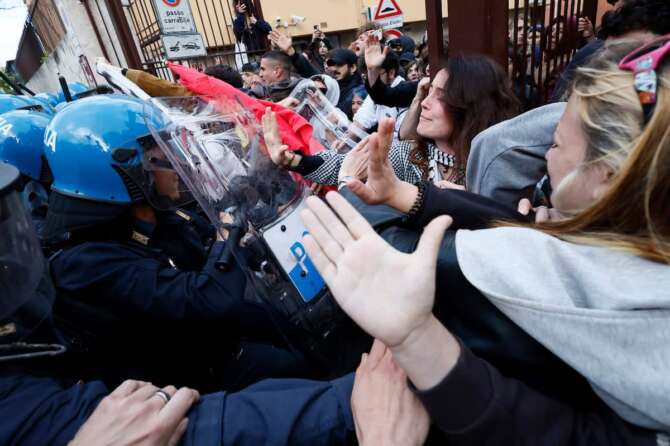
[{"x": 24, "y": 351}]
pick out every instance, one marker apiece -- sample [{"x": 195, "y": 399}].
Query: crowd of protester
[{"x": 502, "y": 270}]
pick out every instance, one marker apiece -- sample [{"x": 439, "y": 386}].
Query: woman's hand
[
  {"x": 542, "y": 214},
  {"x": 290, "y": 102},
  {"x": 386, "y": 412},
  {"x": 585, "y": 28},
  {"x": 241, "y": 8},
  {"x": 449, "y": 185},
  {"x": 134, "y": 414},
  {"x": 387, "y": 293},
  {"x": 382, "y": 185},
  {"x": 423, "y": 89},
  {"x": 279, "y": 153},
  {"x": 355, "y": 164}
]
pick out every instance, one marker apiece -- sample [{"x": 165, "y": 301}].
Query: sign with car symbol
[{"x": 183, "y": 46}]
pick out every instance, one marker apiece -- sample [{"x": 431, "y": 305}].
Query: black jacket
[
  {"x": 401, "y": 95},
  {"x": 255, "y": 36},
  {"x": 348, "y": 87},
  {"x": 506, "y": 388}
]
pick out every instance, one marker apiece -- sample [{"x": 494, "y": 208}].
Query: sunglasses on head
[{"x": 644, "y": 62}]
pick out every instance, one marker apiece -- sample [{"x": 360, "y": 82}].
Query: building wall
[
  {"x": 79, "y": 39},
  {"x": 335, "y": 15}
]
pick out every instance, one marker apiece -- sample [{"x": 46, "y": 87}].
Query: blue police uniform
[
  {"x": 146, "y": 293},
  {"x": 45, "y": 411}
]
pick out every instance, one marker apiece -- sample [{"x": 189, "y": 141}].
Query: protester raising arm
[
  {"x": 375, "y": 54},
  {"x": 392, "y": 299},
  {"x": 400, "y": 96},
  {"x": 285, "y": 43}
]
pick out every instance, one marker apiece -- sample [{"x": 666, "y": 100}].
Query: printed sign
[
  {"x": 174, "y": 16},
  {"x": 285, "y": 241},
  {"x": 388, "y": 14},
  {"x": 183, "y": 46}
]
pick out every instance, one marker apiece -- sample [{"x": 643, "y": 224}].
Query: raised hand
[
  {"x": 389, "y": 294},
  {"x": 382, "y": 185},
  {"x": 282, "y": 41},
  {"x": 423, "y": 88},
  {"x": 279, "y": 153},
  {"x": 355, "y": 164},
  {"x": 374, "y": 54}
]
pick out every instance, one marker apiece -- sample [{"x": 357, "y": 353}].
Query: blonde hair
[{"x": 634, "y": 214}]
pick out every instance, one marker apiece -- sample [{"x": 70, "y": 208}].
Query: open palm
[
  {"x": 375, "y": 55},
  {"x": 386, "y": 292}
]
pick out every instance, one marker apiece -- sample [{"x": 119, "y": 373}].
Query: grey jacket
[
  {"x": 606, "y": 313},
  {"x": 507, "y": 160}
]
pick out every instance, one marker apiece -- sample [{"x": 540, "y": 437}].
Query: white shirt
[{"x": 370, "y": 113}]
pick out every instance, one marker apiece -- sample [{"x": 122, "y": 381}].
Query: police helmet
[
  {"x": 75, "y": 88},
  {"x": 22, "y": 142},
  {"x": 100, "y": 149},
  {"x": 9, "y": 102},
  {"x": 49, "y": 98}
]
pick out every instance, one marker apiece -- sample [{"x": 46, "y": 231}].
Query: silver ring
[{"x": 164, "y": 395}]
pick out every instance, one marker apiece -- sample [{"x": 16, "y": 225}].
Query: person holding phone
[{"x": 249, "y": 29}]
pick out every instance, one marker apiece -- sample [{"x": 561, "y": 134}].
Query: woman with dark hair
[
  {"x": 468, "y": 96},
  {"x": 248, "y": 28},
  {"x": 317, "y": 51}
]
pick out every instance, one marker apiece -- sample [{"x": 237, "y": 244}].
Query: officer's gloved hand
[{"x": 138, "y": 413}]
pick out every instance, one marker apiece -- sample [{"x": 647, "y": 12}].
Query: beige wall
[{"x": 335, "y": 15}]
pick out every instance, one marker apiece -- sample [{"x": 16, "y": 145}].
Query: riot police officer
[
  {"x": 136, "y": 273},
  {"x": 21, "y": 145},
  {"x": 44, "y": 401}
]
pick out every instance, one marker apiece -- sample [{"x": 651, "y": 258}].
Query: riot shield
[
  {"x": 331, "y": 126},
  {"x": 218, "y": 150}
]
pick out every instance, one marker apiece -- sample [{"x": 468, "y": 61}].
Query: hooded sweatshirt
[{"x": 606, "y": 313}]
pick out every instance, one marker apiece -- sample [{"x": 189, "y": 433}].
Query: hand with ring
[{"x": 138, "y": 413}]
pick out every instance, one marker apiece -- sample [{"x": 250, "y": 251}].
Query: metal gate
[
  {"x": 214, "y": 21},
  {"x": 542, "y": 39}
]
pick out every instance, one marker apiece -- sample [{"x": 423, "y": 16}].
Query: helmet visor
[
  {"x": 219, "y": 154},
  {"x": 21, "y": 260}
]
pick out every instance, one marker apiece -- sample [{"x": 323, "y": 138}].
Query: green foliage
[{"x": 4, "y": 86}]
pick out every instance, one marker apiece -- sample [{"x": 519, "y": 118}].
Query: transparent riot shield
[
  {"x": 331, "y": 126},
  {"x": 218, "y": 150}
]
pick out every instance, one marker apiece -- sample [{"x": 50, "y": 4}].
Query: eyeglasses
[{"x": 644, "y": 62}]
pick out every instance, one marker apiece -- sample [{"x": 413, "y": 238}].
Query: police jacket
[
  {"x": 153, "y": 305},
  {"x": 39, "y": 410},
  {"x": 162, "y": 273}
]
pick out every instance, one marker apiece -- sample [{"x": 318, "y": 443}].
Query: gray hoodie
[
  {"x": 507, "y": 160},
  {"x": 606, "y": 313}
]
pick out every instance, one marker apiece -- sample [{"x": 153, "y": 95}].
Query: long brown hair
[
  {"x": 634, "y": 214},
  {"x": 477, "y": 95}
]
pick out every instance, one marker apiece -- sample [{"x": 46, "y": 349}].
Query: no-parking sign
[{"x": 174, "y": 16}]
